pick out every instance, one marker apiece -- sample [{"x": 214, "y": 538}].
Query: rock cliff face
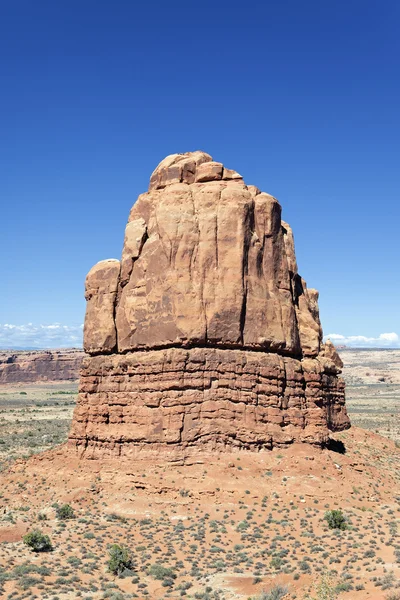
[
  {"x": 204, "y": 334},
  {"x": 41, "y": 365}
]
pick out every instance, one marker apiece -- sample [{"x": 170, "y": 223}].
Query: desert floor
[
  {"x": 373, "y": 389},
  {"x": 219, "y": 526}
]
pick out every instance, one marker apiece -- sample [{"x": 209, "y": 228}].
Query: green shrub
[
  {"x": 344, "y": 586},
  {"x": 27, "y": 567},
  {"x": 116, "y": 517},
  {"x": 159, "y": 572},
  {"x": 242, "y": 526},
  {"x": 120, "y": 559},
  {"x": 37, "y": 541},
  {"x": 275, "y": 593},
  {"x": 336, "y": 519},
  {"x": 276, "y": 562},
  {"x": 112, "y": 595},
  {"x": 28, "y": 581},
  {"x": 325, "y": 589},
  {"x": 64, "y": 512}
]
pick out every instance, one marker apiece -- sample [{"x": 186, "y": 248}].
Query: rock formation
[
  {"x": 40, "y": 365},
  {"x": 204, "y": 335}
]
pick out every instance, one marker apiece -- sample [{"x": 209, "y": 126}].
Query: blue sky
[{"x": 302, "y": 98}]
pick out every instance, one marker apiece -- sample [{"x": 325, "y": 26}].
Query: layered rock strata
[
  {"x": 204, "y": 334},
  {"x": 40, "y": 366}
]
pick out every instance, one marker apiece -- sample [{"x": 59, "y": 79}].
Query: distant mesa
[
  {"x": 40, "y": 365},
  {"x": 204, "y": 335}
]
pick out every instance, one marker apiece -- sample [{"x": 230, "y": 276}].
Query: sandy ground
[{"x": 228, "y": 525}]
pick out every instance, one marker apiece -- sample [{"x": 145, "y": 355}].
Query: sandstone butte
[{"x": 204, "y": 335}]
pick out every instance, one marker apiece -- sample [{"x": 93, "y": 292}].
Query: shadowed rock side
[{"x": 204, "y": 333}]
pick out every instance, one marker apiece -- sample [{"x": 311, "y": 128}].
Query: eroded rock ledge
[{"x": 204, "y": 334}]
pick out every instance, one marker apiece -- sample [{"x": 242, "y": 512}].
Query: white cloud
[
  {"x": 389, "y": 337},
  {"x": 384, "y": 340},
  {"x": 335, "y": 337},
  {"x": 54, "y": 335}
]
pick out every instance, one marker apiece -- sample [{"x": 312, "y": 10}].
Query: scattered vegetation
[
  {"x": 275, "y": 593},
  {"x": 325, "y": 589},
  {"x": 120, "y": 559},
  {"x": 336, "y": 519},
  {"x": 64, "y": 512},
  {"x": 160, "y": 572},
  {"x": 37, "y": 541}
]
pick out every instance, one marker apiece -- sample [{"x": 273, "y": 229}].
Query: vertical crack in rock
[
  {"x": 216, "y": 232},
  {"x": 284, "y": 386},
  {"x": 249, "y": 224},
  {"x": 136, "y": 236},
  {"x": 204, "y": 336},
  {"x": 195, "y": 268},
  {"x": 114, "y": 315}
]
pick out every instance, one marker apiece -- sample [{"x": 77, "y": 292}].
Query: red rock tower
[{"x": 204, "y": 335}]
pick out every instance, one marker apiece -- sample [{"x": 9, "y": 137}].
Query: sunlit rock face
[{"x": 204, "y": 335}]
